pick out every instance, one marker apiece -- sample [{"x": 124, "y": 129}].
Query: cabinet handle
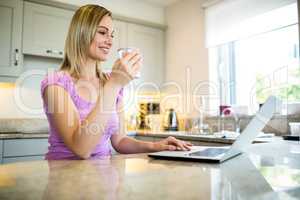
[
  {"x": 16, "y": 62},
  {"x": 54, "y": 52}
]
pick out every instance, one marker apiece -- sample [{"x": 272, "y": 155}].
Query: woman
[{"x": 83, "y": 104}]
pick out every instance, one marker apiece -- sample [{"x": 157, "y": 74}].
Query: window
[
  {"x": 267, "y": 64},
  {"x": 251, "y": 68}
]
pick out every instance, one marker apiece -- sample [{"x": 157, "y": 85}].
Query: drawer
[{"x": 24, "y": 147}]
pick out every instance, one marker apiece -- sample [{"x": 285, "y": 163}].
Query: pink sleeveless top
[{"x": 57, "y": 149}]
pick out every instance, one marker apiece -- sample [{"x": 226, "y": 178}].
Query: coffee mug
[{"x": 294, "y": 128}]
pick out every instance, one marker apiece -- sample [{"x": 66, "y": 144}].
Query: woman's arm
[
  {"x": 79, "y": 137},
  {"x": 82, "y": 137},
  {"x": 125, "y": 144}
]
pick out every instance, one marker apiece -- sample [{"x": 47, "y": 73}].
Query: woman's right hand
[
  {"x": 126, "y": 68},
  {"x": 172, "y": 144}
]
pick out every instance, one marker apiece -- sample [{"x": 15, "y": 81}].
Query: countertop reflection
[{"x": 266, "y": 171}]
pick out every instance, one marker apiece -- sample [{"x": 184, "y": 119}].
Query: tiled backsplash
[
  {"x": 277, "y": 125},
  {"x": 24, "y": 125}
]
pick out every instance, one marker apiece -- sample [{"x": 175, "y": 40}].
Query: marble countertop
[
  {"x": 19, "y": 135},
  {"x": 198, "y": 137},
  {"x": 179, "y": 135},
  {"x": 23, "y": 125},
  {"x": 257, "y": 174},
  {"x": 38, "y": 128}
]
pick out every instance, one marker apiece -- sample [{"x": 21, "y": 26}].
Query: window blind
[{"x": 231, "y": 20}]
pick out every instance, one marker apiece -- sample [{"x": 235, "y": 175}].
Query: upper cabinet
[
  {"x": 150, "y": 41},
  {"x": 119, "y": 41},
  {"x": 11, "y": 13},
  {"x": 45, "y": 29}
]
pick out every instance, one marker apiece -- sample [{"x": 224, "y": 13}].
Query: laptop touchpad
[{"x": 209, "y": 152}]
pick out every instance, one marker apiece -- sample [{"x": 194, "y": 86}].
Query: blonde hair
[{"x": 81, "y": 33}]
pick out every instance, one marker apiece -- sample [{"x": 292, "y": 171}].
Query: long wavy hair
[{"x": 81, "y": 33}]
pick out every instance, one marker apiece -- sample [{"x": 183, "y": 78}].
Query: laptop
[{"x": 220, "y": 154}]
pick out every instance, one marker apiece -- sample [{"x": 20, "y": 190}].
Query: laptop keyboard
[{"x": 210, "y": 152}]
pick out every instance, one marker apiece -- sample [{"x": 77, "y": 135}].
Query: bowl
[{"x": 295, "y": 128}]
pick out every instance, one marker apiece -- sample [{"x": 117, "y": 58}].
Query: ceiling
[{"x": 161, "y": 3}]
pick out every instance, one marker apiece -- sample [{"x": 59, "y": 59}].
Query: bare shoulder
[{"x": 54, "y": 91}]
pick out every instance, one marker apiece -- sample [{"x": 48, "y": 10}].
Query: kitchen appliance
[
  {"x": 170, "y": 120},
  {"x": 147, "y": 111}
]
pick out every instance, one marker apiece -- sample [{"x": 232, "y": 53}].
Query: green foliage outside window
[{"x": 290, "y": 91}]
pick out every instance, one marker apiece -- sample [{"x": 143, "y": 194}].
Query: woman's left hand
[{"x": 172, "y": 144}]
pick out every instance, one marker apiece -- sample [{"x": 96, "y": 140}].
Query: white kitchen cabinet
[
  {"x": 119, "y": 41},
  {"x": 45, "y": 29},
  {"x": 25, "y": 147},
  {"x": 16, "y": 150},
  {"x": 150, "y": 41},
  {"x": 11, "y": 61}
]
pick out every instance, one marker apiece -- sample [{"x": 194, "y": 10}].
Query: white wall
[
  {"x": 186, "y": 55},
  {"x": 24, "y": 100},
  {"x": 128, "y": 8}
]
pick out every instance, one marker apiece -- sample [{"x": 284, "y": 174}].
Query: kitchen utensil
[{"x": 171, "y": 120}]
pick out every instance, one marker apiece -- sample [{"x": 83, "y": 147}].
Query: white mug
[{"x": 295, "y": 128}]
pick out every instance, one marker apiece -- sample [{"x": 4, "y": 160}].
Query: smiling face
[{"x": 102, "y": 42}]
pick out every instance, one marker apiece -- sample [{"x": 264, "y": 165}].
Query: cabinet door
[
  {"x": 150, "y": 41},
  {"x": 24, "y": 147},
  {"x": 119, "y": 41},
  {"x": 11, "y": 12},
  {"x": 45, "y": 30}
]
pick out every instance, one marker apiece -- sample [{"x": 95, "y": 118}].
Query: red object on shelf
[{"x": 225, "y": 110}]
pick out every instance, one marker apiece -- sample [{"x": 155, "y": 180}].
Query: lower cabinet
[{"x": 17, "y": 150}]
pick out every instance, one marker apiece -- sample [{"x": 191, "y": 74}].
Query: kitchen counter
[
  {"x": 257, "y": 174},
  {"x": 23, "y": 125},
  {"x": 19, "y": 135},
  {"x": 38, "y": 128},
  {"x": 179, "y": 135},
  {"x": 23, "y": 128},
  {"x": 198, "y": 137}
]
